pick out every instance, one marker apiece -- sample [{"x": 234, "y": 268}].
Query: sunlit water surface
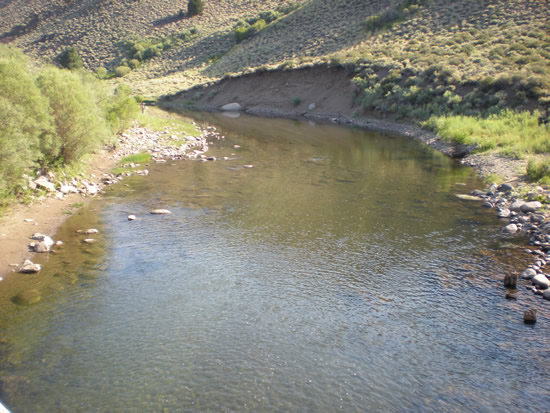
[{"x": 341, "y": 272}]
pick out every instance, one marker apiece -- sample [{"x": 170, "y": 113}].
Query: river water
[{"x": 340, "y": 272}]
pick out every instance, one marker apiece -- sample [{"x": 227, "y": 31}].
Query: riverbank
[
  {"x": 49, "y": 211},
  {"x": 326, "y": 95}
]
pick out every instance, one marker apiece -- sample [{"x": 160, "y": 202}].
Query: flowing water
[{"x": 341, "y": 272}]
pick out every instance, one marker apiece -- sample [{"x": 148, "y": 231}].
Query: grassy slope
[{"x": 473, "y": 38}]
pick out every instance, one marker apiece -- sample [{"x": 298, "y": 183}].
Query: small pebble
[{"x": 131, "y": 217}]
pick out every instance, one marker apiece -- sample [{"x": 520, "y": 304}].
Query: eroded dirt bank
[{"x": 325, "y": 95}]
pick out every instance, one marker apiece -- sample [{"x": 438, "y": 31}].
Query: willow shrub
[
  {"x": 24, "y": 119},
  {"x": 80, "y": 126}
]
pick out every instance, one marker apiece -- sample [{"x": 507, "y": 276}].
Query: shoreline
[{"x": 48, "y": 213}]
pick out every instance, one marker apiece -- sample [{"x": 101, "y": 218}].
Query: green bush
[
  {"x": 70, "y": 59},
  {"x": 121, "y": 71},
  {"x": 539, "y": 170},
  {"x": 121, "y": 108},
  {"x": 195, "y": 7}
]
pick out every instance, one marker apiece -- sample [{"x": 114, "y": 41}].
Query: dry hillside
[{"x": 470, "y": 40}]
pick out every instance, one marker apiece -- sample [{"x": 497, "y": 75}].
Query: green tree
[
  {"x": 70, "y": 59},
  {"x": 195, "y": 7},
  {"x": 24, "y": 119},
  {"x": 80, "y": 125}
]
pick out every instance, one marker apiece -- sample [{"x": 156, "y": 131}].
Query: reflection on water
[{"x": 340, "y": 272}]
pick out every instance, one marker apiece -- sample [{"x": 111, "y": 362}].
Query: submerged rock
[
  {"x": 160, "y": 212},
  {"x": 27, "y": 297},
  {"x": 91, "y": 231},
  {"x": 510, "y": 280},
  {"x": 465, "y": 197}
]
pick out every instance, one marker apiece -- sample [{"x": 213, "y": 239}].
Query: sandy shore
[{"x": 44, "y": 216}]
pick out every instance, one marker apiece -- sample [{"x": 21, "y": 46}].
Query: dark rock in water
[
  {"x": 27, "y": 297},
  {"x": 487, "y": 204},
  {"x": 530, "y": 316},
  {"x": 510, "y": 280},
  {"x": 505, "y": 188},
  {"x": 510, "y": 296},
  {"x": 546, "y": 295}
]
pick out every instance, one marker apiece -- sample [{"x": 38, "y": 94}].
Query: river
[{"x": 339, "y": 273}]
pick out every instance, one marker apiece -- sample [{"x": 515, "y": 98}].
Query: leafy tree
[
  {"x": 195, "y": 7},
  {"x": 70, "y": 59},
  {"x": 80, "y": 125},
  {"x": 24, "y": 119}
]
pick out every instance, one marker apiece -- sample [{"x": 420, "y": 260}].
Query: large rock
[
  {"x": 43, "y": 183},
  {"x": 41, "y": 237},
  {"x": 505, "y": 188},
  {"x": 231, "y": 107},
  {"x": 68, "y": 189},
  {"x": 541, "y": 281},
  {"x": 29, "y": 268},
  {"x": 528, "y": 274},
  {"x": 39, "y": 246},
  {"x": 516, "y": 205},
  {"x": 529, "y": 207}
]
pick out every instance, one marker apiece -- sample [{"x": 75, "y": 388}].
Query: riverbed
[{"x": 309, "y": 268}]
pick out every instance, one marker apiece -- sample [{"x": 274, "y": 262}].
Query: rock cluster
[{"x": 525, "y": 215}]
